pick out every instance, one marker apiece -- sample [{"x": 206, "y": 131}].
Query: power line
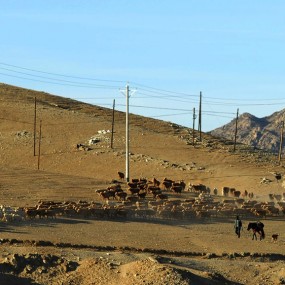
[
  {"x": 243, "y": 99},
  {"x": 174, "y": 109},
  {"x": 161, "y": 91},
  {"x": 166, "y": 94},
  {"x": 61, "y": 80},
  {"x": 62, "y": 84},
  {"x": 156, "y": 108},
  {"x": 63, "y": 75},
  {"x": 168, "y": 97},
  {"x": 170, "y": 115},
  {"x": 241, "y": 104}
]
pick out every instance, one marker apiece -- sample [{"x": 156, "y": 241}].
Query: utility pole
[
  {"x": 40, "y": 138},
  {"x": 193, "y": 129},
  {"x": 236, "y": 132},
  {"x": 35, "y": 123},
  {"x": 127, "y": 94},
  {"x": 200, "y": 117},
  {"x": 113, "y": 121},
  {"x": 281, "y": 142},
  {"x": 127, "y": 133}
]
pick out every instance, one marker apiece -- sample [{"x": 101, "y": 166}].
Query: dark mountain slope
[{"x": 263, "y": 133}]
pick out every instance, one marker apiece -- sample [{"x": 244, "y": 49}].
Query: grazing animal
[
  {"x": 198, "y": 188},
  {"x": 121, "y": 175},
  {"x": 250, "y": 195},
  {"x": 225, "y": 191},
  {"x": 271, "y": 196},
  {"x": 167, "y": 183},
  {"x": 161, "y": 196},
  {"x": 278, "y": 176},
  {"x": 142, "y": 194},
  {"x": 274, "y": 237},
  {"x": 236, "y": 193},
  {"x": 121, "y": 195},
  {"x": 177, "y": 189},
  {"x": 155, "y": 182},
  {"x": 256, "y": 228}
]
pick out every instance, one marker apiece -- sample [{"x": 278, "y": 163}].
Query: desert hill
[
  {"x": 86, "y": 250},
  {"x": 157, "y": 148},
  {"x": 263, "y": 133}
]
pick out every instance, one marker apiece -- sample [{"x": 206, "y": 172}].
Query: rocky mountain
[{"x": 262, "y": 133}]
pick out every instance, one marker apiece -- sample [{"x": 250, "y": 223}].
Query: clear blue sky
[{"x": 168, "y": 51}]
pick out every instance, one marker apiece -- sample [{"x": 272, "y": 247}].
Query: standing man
[{"x": 238, "y": 226}]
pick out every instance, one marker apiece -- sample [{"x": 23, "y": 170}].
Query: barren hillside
[
  {"x": 263, "y": 133},
  {"x": 126, "y": 250},
  {"x": 157, "y": 148}
]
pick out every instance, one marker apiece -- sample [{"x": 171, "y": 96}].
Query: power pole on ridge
[
  {"x": 127, "y": 133},
  {"x": 236, "y": 131},
  {"x": 35, "y": 125},
  {"x": 40, "y": 139},
  {"x": 113, "y": 122},
  {"x": 200, "y": 117},
  {"x": 193, "y": 129},
  {"x": 281, "y": 142},
  {"x": 127, "y": 94}
]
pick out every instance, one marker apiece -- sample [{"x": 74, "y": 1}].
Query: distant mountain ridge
[{"x": 262, "y": 133}]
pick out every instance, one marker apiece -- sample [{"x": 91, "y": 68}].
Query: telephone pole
[
  {"x": 40, "y": 139},
  {"x": 281, "y": 142},
  {"x": 127, "y": 94},
  {"x": 193, "y": 129},
  {"x": 236, "y": 132},
  {"x": 200, "y": 117},
  {"x": 35, "y": 125},
  {"x": 127, "y": 133},
  {"x": 113, "y": 122}
]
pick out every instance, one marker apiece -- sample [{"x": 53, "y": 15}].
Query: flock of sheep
[{"x": 152, "y": 199}]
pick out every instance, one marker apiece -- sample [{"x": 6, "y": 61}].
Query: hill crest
[
  {"x": 263, "y": 133},
  {"x": 157, "y": 148}
]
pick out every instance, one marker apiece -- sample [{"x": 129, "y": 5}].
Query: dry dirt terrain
[{"x": 126, "y": 249}]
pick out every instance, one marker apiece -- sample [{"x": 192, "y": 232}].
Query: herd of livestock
[{"x": 145, "y": 199}]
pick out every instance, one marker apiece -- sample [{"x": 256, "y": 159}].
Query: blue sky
[{"x": 167, "y": 51}]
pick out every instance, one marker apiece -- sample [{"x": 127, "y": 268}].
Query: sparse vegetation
[{"x": 112, "y": 249}]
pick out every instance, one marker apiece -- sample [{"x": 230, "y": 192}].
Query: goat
[
  {"x": 121, "y": 175},
  {"x": 275, "y": 237}
]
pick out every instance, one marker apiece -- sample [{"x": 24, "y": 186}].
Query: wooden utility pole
[
  {"x": 113, "y": 121},
  {"x": 236, "y": 131},
  {"x": 281, "y": 142},
  {"x": 127, "y": 94},
  {"x": 35, "y": 125},
  {"x": 193, "y": 129},
  {"x": 40, "y": 138},
  {"x": 200, "y": 117},
  {"x": 127, "y": 133}
]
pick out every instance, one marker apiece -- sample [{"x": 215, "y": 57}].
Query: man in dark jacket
[{"x": 238, "y": 226}]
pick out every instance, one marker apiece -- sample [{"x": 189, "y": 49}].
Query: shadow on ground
[{"x": 7, "y": 279}]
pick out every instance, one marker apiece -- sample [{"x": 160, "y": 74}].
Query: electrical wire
[
  {"x": 62, "y": 75},
  {"x": 166, "y": 94},
  {"x": 147, "y": 92},
  {"x": 62, "y": 84},
  {"x": 161, "y": 91},
  {"x": 61, "y": 80}
]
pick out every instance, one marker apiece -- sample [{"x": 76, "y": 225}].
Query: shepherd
[{"x": 238, "y": 226}]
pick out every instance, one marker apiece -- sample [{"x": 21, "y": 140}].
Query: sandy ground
[
  {"x": 125, "y": 251},
  {"x": 148, "y": 252}
]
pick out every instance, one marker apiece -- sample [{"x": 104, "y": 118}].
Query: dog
[{"x": 275, "y": 237}]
